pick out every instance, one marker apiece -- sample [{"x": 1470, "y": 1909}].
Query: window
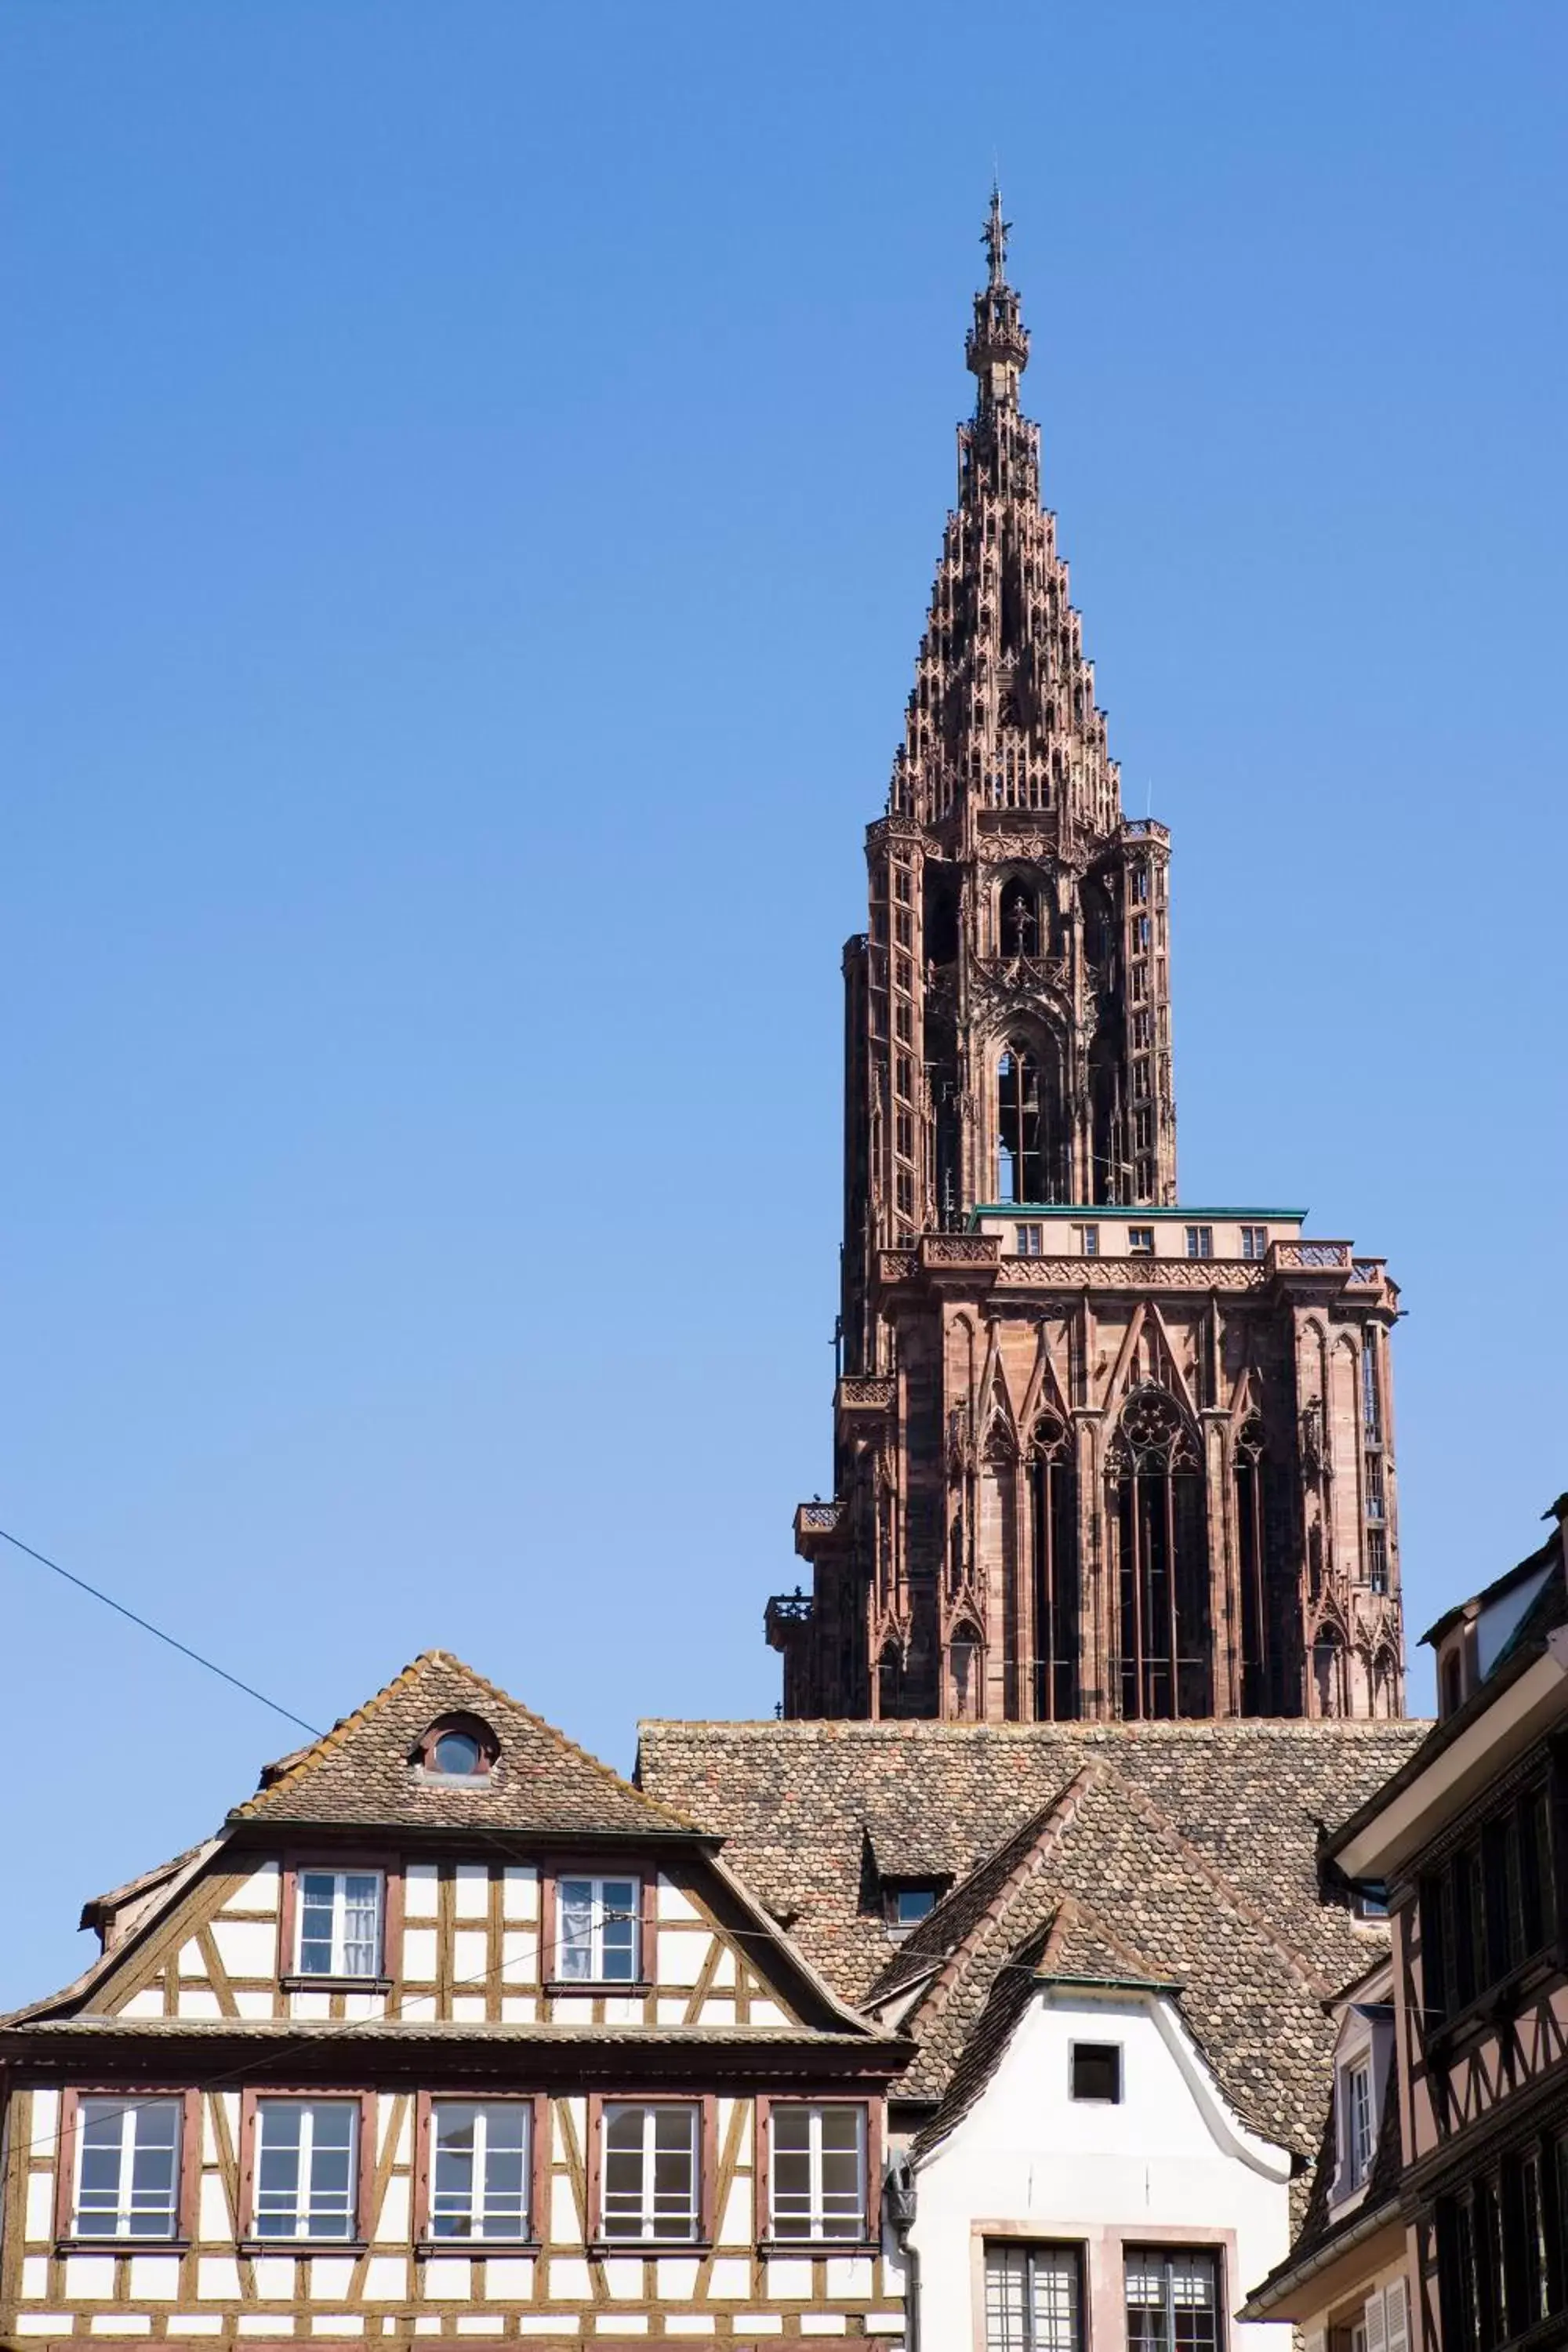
[
  {"x": 1141, "y": 885},
  {"x": 908, "y": 1905},
  {"x": 649, "y": 2179},
  {"x": 1377, "y": 1560},
  {"x": 1140, "y": 933},
  {"x": 1371, "y": 1401},
  {"x": 1088, "y": 1237},
  {"x": 1360, "y": 2127},
  {"x": 1254, "y": 1242},
  {"x": 1033, "y": 2298},
  {"x": 1142, "y": 1033},
  {"x": 1141, "y": 1241},
  {"x": 597, "y": 1931},
  {"x": 1200, "y": 1241},
  {"x": 1173, "y": 2300},
  {"x": 903, "y": 1023},
  {"x": 1096, "y": 2068},
  {"x": 1029, "y": 1240},
  {"x": 479, "y": 2167},
  {"x": 818, "y": 2188},
  {"x": 458, "y": 1747},
  {"x": 903, "y": 1136},
  {"x": 307, "y": 2160},
  {"x": 127, "y": 2169},
  {"x": 340, "y": 1923},
  {"x": 1489, "y": 1907},
  {"x": 1138, "y": 984},
  {"x": 1143, "y": 1130},
  {"x": 902, "y": 1074}
]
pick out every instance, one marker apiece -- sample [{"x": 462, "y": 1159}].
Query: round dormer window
[{"x": 458, "y": 1747}]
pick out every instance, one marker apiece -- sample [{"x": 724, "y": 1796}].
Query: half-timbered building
[
  {"x": 449, "y": 2033},
  {"x": 1448, "y": 2185}
]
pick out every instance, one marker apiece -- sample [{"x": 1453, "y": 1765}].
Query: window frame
[
  {"x": 291, "y": 1978},
  {"x": 1164, "y": 2247},
  {"x": 1200, "y": 1242},
  {"x": 425, "y": 2240},
  {"x": 645, "y": 1878},
  {"x": 251, "y": 2099},
  {"x": 1029, "y": 2241},
  {"x": 187, "y": 2173},
  {"x": 1136, "y": 1248},
  {"x": 1254, "y": 1244},
  {"x": 706, "y": 2105},
  {"x": 1095, "y": 2098},
  {"x": 762, "y": 2177},
  {"x": 470, "y": 1726}
]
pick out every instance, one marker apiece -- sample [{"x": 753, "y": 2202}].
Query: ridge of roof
[
  {"x": 271, "y": 1801},
  {"x": 994, "y": 1880},
  {"x": 949, "y": 1923},
  {"x": 1080, "y": 1932},
  {"x": 810, "y": 1731}
]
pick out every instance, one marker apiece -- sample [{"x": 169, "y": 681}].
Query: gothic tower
[{"x": 1096, "y": 1454}]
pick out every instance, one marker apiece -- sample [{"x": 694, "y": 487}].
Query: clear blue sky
[{"x": 471, "y": 479}]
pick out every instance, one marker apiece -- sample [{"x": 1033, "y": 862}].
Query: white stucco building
[{"x": 1100, "y": 2187}]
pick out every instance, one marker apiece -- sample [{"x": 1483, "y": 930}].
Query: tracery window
[
  {"x": 1053, "y": 1491},
  {"x": 1158, "y": 1499},
  {"x": 1021, "y": 1136}
]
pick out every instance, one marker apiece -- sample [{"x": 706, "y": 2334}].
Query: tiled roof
[
  {"x": 361, "y": 1774},
  {"x": 1191, "y": 1847}
]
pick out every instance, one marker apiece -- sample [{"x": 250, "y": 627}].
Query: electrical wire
[{"x": 158, "y": 1634}]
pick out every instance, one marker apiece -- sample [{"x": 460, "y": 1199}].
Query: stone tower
[{"x": 1096, "y": 1454}]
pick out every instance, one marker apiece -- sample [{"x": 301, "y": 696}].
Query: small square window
[
  {"x": 1200, "y": 1241},
  {"x": 1029, "y": 1240},
  {"x": 1255, "y": 1242},
  {"x": 1089, "y": 1236},
  {"x": 1141, "y": 1241},
  {"x": 1097, "y": 2071}
]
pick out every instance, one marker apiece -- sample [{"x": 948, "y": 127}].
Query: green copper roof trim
[{"x": 1098, "y": 1210}]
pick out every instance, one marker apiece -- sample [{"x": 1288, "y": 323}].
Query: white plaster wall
[{"x": 1029, "y": 2162}]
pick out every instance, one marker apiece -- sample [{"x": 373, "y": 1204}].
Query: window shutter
[
  {"x": 1374, "y": 2324},
  {"x": 1398, "y": 2335}
]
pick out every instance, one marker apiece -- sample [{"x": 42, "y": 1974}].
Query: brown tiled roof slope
[
  {"x": 362, "y": 1772},
  {"x": 1195, "y": 1845}
]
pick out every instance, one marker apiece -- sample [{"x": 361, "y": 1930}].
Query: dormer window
[
  {"x": 456, "y": 1748},
  {"x": 1361, "y": 2133}
]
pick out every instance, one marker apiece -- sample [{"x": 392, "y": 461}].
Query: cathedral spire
[
  {"x": 993, "y": 237},
  {"x": 997, "y": 345}
]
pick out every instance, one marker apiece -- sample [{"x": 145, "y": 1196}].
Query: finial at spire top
[{"x": 993, "y": 237}]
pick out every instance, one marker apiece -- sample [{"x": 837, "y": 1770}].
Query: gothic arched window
[
  {"x": 890, "y": 1682},
  {"x": 1330, "y": 1680},
  {"x": 1053, "y": 1495},
  {"x": 1158, "y": 1497},
  {"x": 1252, "y": 1476},
  {"x": 964, "y": 1657},
  {"x": 1019, "y": 1172}
]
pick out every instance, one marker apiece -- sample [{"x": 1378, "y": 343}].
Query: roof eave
[{"x": 1445, "y": 1772}]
